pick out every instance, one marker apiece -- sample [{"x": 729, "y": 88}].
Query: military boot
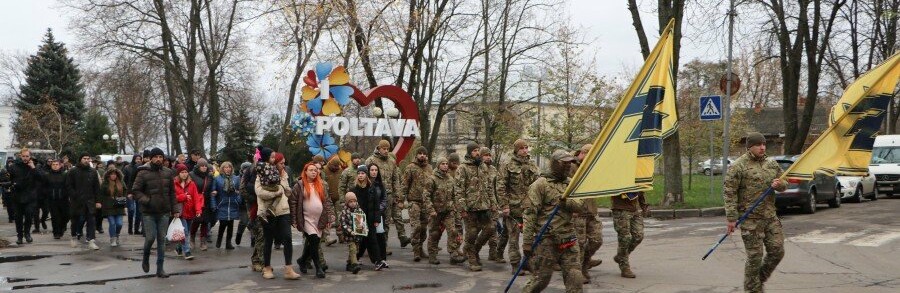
[
  {"x": 432, "y": 259},
  {"x": 515, "y": 268},
  {"x": 627, "y": 273}
]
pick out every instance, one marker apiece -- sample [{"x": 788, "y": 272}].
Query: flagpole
[{"x": 739, "y": 221}]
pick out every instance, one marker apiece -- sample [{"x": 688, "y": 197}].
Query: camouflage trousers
[
  {"x": 479, "y": 229},
  {"x": 352, "y": 249},
  {"x": 444, "y": 221},
  {"x": 758, "y": 234},
  {"x": 418, "y": 222},
  {"x": 458, "y": 222},
  {"x": 513, "y": 226},
  {"x": 256, "y": 234},
  {"x": 590, "y": 237},
  {"x": 546, "y": 257},
  {"x": 498, "y": 241},
  {"x": 630, "y": 229}
]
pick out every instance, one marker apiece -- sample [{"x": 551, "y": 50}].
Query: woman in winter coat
[
  {"x": 226, "y": 200},
  {"x": 312, "y": 213},
  {"x": 274, "y": 212},
  {"x": 203, "y": 179},
  {"x": 372, "y": 198},
  {"x": 112, "y": 202},
  {"x": 191, "y": 207}
]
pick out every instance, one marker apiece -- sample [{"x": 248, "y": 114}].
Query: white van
[{"x": 885, "y": 164}]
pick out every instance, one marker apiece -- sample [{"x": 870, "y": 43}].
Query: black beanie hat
[
  {"x": 265, "y": 153},
  {"x": 156, "y": 152}
]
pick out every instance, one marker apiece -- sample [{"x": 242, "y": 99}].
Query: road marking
[
  {"x": 817, "y": 236},
  {"x": 877, "y": 239}
]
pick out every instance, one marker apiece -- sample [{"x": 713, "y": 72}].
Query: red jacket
[{"x": 189, "y": 198}]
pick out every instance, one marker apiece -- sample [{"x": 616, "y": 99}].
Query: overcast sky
[{"x": 606, "y": 24}]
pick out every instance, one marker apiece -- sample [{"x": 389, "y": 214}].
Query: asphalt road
[{"x": 855, "y": 248}]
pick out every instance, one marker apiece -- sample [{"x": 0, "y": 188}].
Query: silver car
[
  {"x": 714, "y": 167},
  {"x": 855, "y": 188}
]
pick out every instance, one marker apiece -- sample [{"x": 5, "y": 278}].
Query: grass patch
[{"x": 697, "y": 197}]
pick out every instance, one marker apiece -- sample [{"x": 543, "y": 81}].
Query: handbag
[{"x": 121, "y": 201}]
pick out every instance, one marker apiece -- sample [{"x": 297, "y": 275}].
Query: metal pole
[
  {"x": 712, "y": 156},
  {"x": 540, "y": 115},
  {"x": 726, "y": 108}
]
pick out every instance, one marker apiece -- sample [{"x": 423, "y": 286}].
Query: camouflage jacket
[
  {"x": 543, "y": 195},
  {"x": 475, "y": 187},
  {"x": 413, "y": 182},
  {"x": 348, "y": 177},
  {"x": 747, "y": 178},
  {"x": 389, "y": 174},
  {"x": 438, "y": 193},
  {"x": 513, "y": 181}
]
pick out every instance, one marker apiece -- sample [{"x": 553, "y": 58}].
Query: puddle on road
[
  {"x": 66, "y": 264},
  {"x": 17, "y": 258},
  {"x": 104, "y": 281},
  {"x": 8, "y": 280},
  {"x": 417, "y": 286}
]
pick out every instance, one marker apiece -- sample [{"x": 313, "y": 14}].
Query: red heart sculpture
[{"x": 404, "y": 103}]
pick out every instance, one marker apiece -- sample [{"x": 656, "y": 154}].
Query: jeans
[
  {"x": 24, "y": 216},
  {"x": 155, "y": 228},
  {"x": 115, "y": 225},
  {"x": 185, "y": 246},
  {"x": 278, "y": 228},
  {"x": 134, "y": 216}
]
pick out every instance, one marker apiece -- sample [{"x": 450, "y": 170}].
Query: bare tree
[{"x": 43, "y": 123}]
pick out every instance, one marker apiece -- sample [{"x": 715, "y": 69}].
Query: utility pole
[{"x": 726, "y": 108}]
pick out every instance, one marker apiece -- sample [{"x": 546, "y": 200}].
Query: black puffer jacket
[
  {"x": 54, "y": 185},
  {"x": 204, "y": 183},
  {"x": 154, "y": 190},
  {"x": 82, "y": 188},
  {"x": 25, "y": 182}
]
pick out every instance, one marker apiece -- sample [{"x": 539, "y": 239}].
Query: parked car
[
  {"x": 855, "y": 188},
  {"x": 885, "y": 164},
  {"x": 715, "y": 167},
  {"x": 823, "y": 188}
]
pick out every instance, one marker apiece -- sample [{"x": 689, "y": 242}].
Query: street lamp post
[{"x": 112, "y": 139}]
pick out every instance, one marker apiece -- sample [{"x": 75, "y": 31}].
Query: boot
[
  {"x": 319, "y": 272},
  {"x": 219, "y": 242},
  {"x": 237, "y": 238},
  {"x": 455, "y": 260},
  {"x": 595, "y": 262},
  {"x": 145, "y": 263},
  {"x": 515, "y": 268},
  {"x": 354, "y": 268},
  {"x": 432, "y": 259},
  {"x": 289, "y": 273},
  {"x": 19, "y": 241},
  {"x": 203, "y": 246},
  {"x": 404, "y": 241},
  {"x": 331, "y": 242},
  {"x": 627, "y": 273},
  {"x": 301, "y": 262},
  {"x": 28, "y": 238},
  {"x": 228, "y": 245},
  {"x": 587, "y": 277},
  {"x": 267, "y": 273},
  {"x": 160, "y": 273}
]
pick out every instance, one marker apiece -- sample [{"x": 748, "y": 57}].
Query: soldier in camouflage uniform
[
  {"x": 475, "y": 192},
  {"x": 512, "y": 188},
  {"x": 248, "y": 194},
  {"x": 560, "y": 244},
  {"x": 412, "y": 185},
  {"x": 348, "y": 177},
  {"x": 746, "y": 180},
  {"x": 453, "y": 163},
  {"x": 628, "y": 211},
  {"x": 442, "y": 204},
  {"x": 499, "y": 238},
  {"x": 588, "y": 225},
  {"x": 390, "y": 173}
]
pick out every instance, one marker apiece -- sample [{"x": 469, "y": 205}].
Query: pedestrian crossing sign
[{"x": 710, "y": 108}]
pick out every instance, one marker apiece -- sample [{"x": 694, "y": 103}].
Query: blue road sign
[{"x": 710, "y": 108}]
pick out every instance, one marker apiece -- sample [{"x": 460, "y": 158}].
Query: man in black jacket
[
  {"x": 154, "y": 190},
  {"x": 54, "y": 192},
  {"x": 25, "y": 179},
  {"x": 83, "y": 189}
]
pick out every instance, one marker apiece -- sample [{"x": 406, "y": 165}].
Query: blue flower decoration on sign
[
  {"x": 322, "y": 145},
  {"x": 303, "y": 124},
  {"x": 334, "y": 82}
]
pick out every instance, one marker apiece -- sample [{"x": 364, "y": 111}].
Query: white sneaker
[
  {"x": 114, "y": 242},
  {"x": 73, "y": 242},
  {"x": 93, "y": 245}
]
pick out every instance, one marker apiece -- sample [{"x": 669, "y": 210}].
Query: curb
[{"x": 675, "y": 214}]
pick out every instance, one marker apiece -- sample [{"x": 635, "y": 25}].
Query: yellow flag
[
  {"x": 624, "y": 154},
  {"x": 845, "y": 148}
]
